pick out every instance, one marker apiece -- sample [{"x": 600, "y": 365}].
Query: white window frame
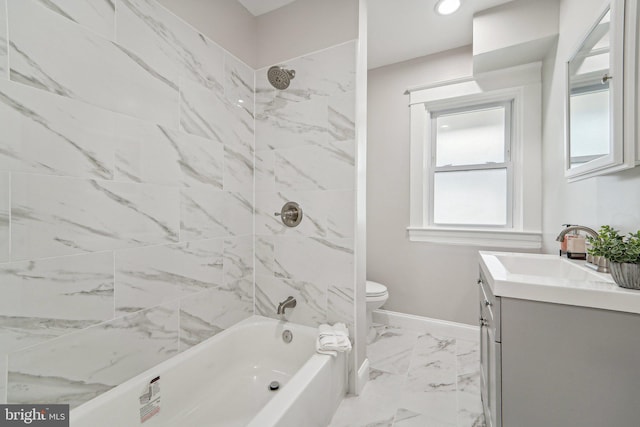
[
  {"x": 519, "y": 86},
  {"x": 507, "y": 164}
]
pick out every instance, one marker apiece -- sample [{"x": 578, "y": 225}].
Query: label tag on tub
[{"x": 150, "y": 400}]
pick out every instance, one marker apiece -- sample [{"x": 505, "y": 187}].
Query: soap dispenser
[{"x": 565, "y": 242}]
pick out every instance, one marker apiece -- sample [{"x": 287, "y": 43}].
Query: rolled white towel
[
  {"x": 325, "y": 330},
  {"x": 333, "y": 339},
  {"x": 340, "y": 330}
]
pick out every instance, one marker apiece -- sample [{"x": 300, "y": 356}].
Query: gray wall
[
  {"x": 612, "y": 199},
  {"x": 226, "y": 22},
  {"x": 304, "y": 26},
  {"x": 436, "y": 281},
  {"x": 126, "y": 188}
]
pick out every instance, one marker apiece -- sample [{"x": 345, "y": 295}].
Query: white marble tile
[
  {"x": 150, "y": 153},
  {"x": 468, "y": 384},
  {"x": 238, "y": 258},
  {"x": 375, "y": 406},
  {"x": 342, "y": 117},
  {"x": 49, "y": 134},
  {"x": 4, "y": 69},
  {"x": 264, "y": 255},
  {"x": 206, "y": 213},
  {"x": 292, "y": 124},
  {"x": 205, "y": 314},
  {"x": 238, "y": 169},
  {"x": 202, "y": 213},
  {"x": 46, "y": 298},
  {"x": 311, "y": 308},
  {"x": 3, "y": 379},
  {"x": 468, "y": 356},
  {"x": 201, "y": 160},
  {"x": 79, "y": 64},
  {"x": 265, "y": 162},
  {"x": 340, "y": 206},
  {"x": 95, "y": 15},
  {"x": 78, "y": 287},
  {"x": 340, "y": 303},
  {"x": 407, "y": 418},
  {"x": 238, "y": 213},
  {"x": 145, "y": 152},
  {"x": 239, "y": 83},
  {"x": 203, "y": 111},
  {"x": 149, "y": 276},
  {"x": 314, "y": 260},
  {"x": 168, "y": 43},
  {"x": 328, "y": 72},
  {"x": 326, "y": 167},
  {"x": 5, "y": 216},
  {"x": 470, "y": 412},
  {"x": 314, "y": 210},
  {"x": 392, "y": 348},
  {"x": 53, "y": 216},
  {"x": 79, "y": 366},
  {"x": 239, "y": 149},
  {"x": 432, "y": 379},
  {"x": 22, "y": 332}
]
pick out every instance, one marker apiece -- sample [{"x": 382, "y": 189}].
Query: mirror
[
  {"x": 595, "y": 105},
  {"x": 589, "y": 93}
]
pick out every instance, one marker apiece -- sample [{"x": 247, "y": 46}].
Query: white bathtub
[{"x": 224, "y": 382}]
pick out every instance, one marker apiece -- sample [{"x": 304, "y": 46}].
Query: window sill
[{"x": 484, "y": 238}]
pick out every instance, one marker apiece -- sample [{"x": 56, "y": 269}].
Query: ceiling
[
  {"x": 260, "y": 7},
  {"x": 400, "y": 30}
]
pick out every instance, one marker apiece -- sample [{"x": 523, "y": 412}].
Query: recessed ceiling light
[{"x": 447, "y": 7}]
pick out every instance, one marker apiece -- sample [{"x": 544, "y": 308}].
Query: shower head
[{"x": 279, "y": 77}]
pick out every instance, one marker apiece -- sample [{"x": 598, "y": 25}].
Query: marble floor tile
[
  {"x": 417, "y": 380},
  {"x": 391, "y": 350},
  {"x": 407, "y": 418},
  {"x": 376, "y": 405}
]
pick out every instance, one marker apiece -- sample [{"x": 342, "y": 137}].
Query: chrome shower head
[{"x": 279, "y": 77}]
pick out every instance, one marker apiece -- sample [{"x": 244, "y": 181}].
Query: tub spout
[{"x": 290, "y": 302}]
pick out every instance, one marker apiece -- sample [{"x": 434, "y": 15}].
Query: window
[
  {"x": 471, "y": 166},
  {"x": 470, "y": 183}
]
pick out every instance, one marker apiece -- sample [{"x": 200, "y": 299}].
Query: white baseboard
[
  {"x": 362, "y": 378},
  {"x": 426, "y": 324}
]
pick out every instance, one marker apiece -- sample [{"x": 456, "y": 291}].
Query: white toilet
[{"x": 377, "y": 295}]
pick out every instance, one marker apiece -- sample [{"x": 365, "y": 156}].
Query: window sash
[{"x": 432, "y": 169}]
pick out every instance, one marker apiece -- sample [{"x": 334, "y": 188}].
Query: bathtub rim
[{"x": 84, "y": 410}]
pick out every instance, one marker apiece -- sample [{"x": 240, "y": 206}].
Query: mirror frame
[{"x": 622, "y": 117}]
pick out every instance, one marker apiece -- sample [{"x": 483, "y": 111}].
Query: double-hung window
[
  {"x": 475, "y": 172},
  {"x": 470, "y": 172}
]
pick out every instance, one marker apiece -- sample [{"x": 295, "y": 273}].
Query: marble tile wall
[
  {"x": 305, "y": 152},
  {"x": 126, "y": 194}
]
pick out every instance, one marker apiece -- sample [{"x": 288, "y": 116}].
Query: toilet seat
[{"x": 376, "y": 290}]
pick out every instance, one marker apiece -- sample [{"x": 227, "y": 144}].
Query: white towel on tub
[{"x": 333, "y": 339}]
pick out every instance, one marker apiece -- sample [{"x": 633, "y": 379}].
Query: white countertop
[{"x": 571, "y": 284}]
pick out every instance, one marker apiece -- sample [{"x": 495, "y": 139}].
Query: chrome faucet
[
  {"x": 598, "y": 263},
  {"x": 593, "y": 233},
  {"x": 290, "y": 302}
]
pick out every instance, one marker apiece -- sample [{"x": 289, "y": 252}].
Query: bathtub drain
[{"x": 274, "y": 385}]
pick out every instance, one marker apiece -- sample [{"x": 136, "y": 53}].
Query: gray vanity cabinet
[{"x": 547, "y": 364}]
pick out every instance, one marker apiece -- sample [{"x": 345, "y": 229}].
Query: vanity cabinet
[{"x": 550, "y": 364}]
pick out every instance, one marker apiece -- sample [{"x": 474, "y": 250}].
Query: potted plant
[{"x": 623, "y": 253}]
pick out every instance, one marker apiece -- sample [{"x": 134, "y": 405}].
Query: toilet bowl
[{"x": 377, "y": 295}]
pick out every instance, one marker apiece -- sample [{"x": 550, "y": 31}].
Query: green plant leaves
[{"x": 614, "y": 247}]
